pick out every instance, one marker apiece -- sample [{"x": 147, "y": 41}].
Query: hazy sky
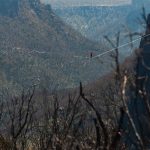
[{"x": 68, "y": 3}]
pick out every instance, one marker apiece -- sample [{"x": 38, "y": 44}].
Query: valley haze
[{"x": 77, "y": 3}]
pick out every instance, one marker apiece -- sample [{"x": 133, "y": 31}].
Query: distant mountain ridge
[{"x": 95, "y": 22}]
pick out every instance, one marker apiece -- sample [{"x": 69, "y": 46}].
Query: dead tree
[{"x": 19, "y": 120}]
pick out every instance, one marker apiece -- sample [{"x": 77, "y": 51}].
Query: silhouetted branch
[
  {"x": 139, "y": 140},
  {"x": 103, "y": 126}
]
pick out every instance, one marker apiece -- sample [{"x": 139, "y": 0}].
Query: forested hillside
[{"x": 37, "y": 46}]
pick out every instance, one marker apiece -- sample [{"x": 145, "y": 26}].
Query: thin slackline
[{"x": 121, "y": 46}]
